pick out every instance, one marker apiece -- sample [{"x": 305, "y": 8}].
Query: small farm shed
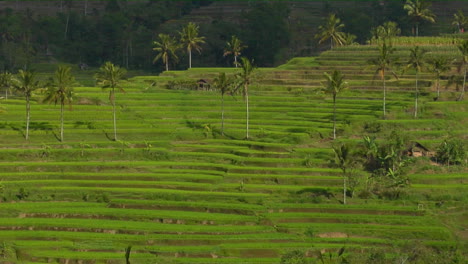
[
  {"x": 203, "y": 85},
  {"x": 416, "y": 149}
]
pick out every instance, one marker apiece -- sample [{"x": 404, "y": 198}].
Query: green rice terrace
[{"x": 173, "y": 189}]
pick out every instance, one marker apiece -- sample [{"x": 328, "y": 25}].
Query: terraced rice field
[{"x": 177, "y": 191}]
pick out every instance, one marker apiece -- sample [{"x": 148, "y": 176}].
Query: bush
[
  {"x": 294, "y": 257},
  {"x": 451, "y": 151}
]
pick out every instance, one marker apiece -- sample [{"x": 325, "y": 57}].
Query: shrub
[
  {"x": 294, "y": 257},
  {"x": 451, "y": 151}
]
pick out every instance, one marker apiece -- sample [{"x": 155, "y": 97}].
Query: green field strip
[
  {"x": 142, "y": 239},
  {"x": 98, "y": 225},
  {"x": 129, "y": 176},
  {"x": 140, "y": 214},
  {"x": 181, "y": 193},
  {"x": 348, "y": 218},
  {"x": 202, "y": 205}
]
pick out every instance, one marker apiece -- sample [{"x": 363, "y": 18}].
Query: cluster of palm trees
[
  {"x": 233, "y": 84},
  {"x": 59, "y": 89},
  {"x": 168, "y": 46},
  {"x": 418, "y": 12}
]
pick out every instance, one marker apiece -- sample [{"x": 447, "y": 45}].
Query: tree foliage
[
  {"x": 331, "y": 30},
  {"x": 26, "y": 83},
  {"x": 334, "y": 85},
  {"x": 60, "y": 91},
  {"x": 110, "y": 77},
  {"x": 451, "y": 151},
  {"x": 234, "y": 47},
  {"x": 418, "y": 11},
  {"x": 166, "y": 47},
  {"x": 190, "y": 39}
]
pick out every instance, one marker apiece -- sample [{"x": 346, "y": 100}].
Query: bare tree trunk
[
  {"x": 28, "y": 116},
  {"x": 190, "y": 58},
  {"x": 416, "y": 96},
  {"x": 61, "y": 122},
  {"x": 247, "y": 110},
  {"x": 463, "y": 87},
  {"x": 222, "y": 115},
  {"x": 384, "y": 95},
  {"x": 334, "y": 116},
  {"x": 85, "y": 7},
  {"x": 344, "y": 186},
  {"x": 66, "y": 26},
  {"x": 113, "y": 110}
]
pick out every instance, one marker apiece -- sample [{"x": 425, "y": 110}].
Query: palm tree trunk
[
  {"x": 235, "y": 60},
  {"x": 28, "y": 116},
  {"x": 113, "y": 110},
  {"x": 222, "y": 114},
  {"x": 438, "y": 88},
  {"x": 384, "y": 95},
  {"x": 416, "y": 96},
  {"x": 247, "y": 110},
  {"x": 417, "y": 30},
  {"x": 61, "y": 122},
  {"x": 334, "y": 116},
  {"x": 344, "y": 186},
  {"x": 167, "y": 65},
  {"x": 190, "y": 58},
  {"x": 463, "y": 87}
]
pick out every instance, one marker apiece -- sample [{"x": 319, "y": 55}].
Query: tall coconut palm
[
  {"x": 6, "y": 81},
  {"x": 331, "y": 31},
  {"x": 334, "y": 85},
  {"x": 167, "y": 48},
  {"x": 343, "y": 159},
  {"x": 418, "y": 11},
  {"x": 224, "y": 85},
  {"x": 460, "y": 21},
  {"x": 190, "y": 39},
  {"x": 60, "y": 90},
  {"x": 383, "y": 64},
  {"x": 438, "y": 66},
  {"x": 463, "y": 65},
  {"x": 110, "y": 76},
  {"x": 417, "y": 62},
  {"x": 234, "y": 47},
  {"x": 244, "y": 80},
  {"x": 25, "y": 83}
]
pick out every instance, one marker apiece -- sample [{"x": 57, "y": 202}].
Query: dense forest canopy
[{"x": 92, "y": 32}]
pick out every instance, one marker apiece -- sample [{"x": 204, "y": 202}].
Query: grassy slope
[{"x": 176, "y": 190}]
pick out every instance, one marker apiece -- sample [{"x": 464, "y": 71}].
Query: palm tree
[
  {"x": 419, "y": 11},
  {"x": 331, "y": 30},
  {"x": 234, "y": 47},
  {"x": 463, "y": 65},
  {"x": 6, "y": 80},
  {"x": 190, "y": 39},
  {"x": 167, "y": 48},
  {"x": 25, "y": 83},
  {"x": 60, "y": 90},
  {"x": 245, "y": 79},
  {"x": 224, "y": 84},
  {"x": 383, "y": 63},
  {"x": 110, "y": 76},
  {"x": 438, "y": 65},
  {"x": 386, "y": 31},
  {"x": 334, "y": 85},
  {"x": 343, "y": 158},
  {"x": 417, "y": 62},
  {"x": 460, "y": 21}
]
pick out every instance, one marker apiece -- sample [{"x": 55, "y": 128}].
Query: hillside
[{"x": 172, "y": 189}]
